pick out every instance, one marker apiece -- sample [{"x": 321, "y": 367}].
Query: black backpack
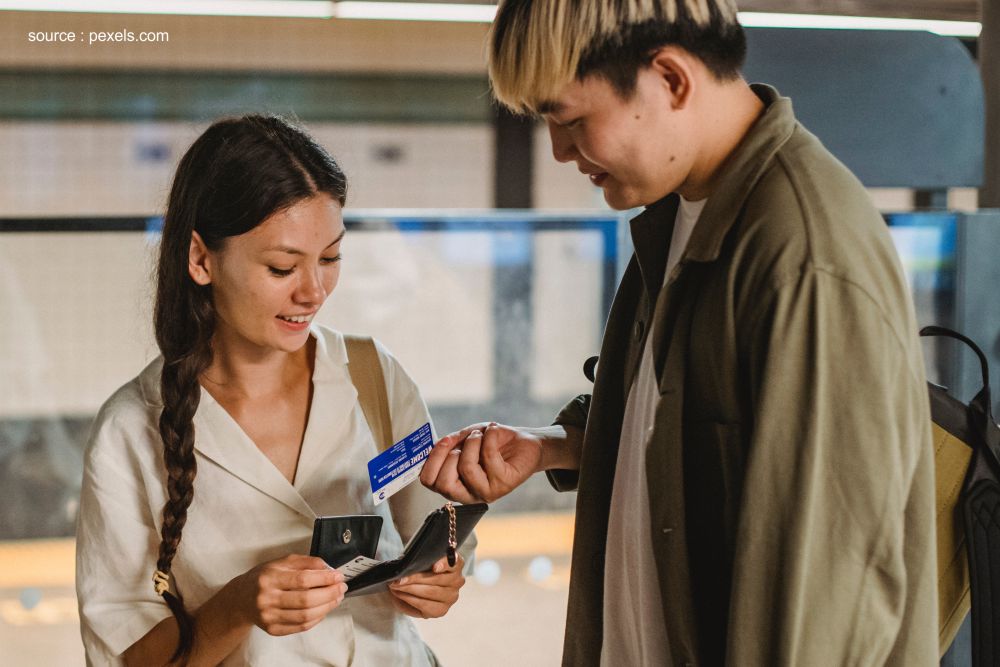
[{"x": 967, "y": 465}]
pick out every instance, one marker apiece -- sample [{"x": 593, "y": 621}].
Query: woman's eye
[
  {"x": 330, "y": 260},
  {"x": 280, "y": 272}
]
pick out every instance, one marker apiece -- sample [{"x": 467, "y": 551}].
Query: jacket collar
[{"x": 652, "y": 229}]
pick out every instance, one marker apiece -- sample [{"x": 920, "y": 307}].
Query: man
[{"x": 754, "y": 467}]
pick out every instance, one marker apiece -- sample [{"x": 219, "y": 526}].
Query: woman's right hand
[{"x": 291, "y": 594}]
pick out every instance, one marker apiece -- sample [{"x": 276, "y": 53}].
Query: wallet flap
[{"x": 338, "y": 539}]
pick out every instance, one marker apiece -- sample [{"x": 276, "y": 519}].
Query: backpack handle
[{"x": 983, "y": 397}]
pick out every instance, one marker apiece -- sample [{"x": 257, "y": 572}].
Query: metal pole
[{"x": 989, "y": 67}]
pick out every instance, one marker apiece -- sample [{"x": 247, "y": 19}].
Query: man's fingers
[
  {"x": 436, "y": 459},
  {"x": 449, "y": 484},
  {"x": 492, "y": 460},
  {"x": 469, "y": 468}
]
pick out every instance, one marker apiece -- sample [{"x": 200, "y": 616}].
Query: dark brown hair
[{"x": 238, "y": 173}]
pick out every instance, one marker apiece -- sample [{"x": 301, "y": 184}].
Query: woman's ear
[
  {"x": 199, "y": 261},
  {"x": 675, "y": 68}
]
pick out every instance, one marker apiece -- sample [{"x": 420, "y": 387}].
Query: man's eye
[{"x": 280, "y": 272}]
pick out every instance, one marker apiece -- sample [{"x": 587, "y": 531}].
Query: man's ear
[
  {"x": 676, "y": 69},
  {"x": 199, "y": 261}
]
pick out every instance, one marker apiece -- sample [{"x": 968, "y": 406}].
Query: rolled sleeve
[{"x": 115, "y": 550}]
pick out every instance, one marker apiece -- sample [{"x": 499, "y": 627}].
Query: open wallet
[
  {"x": 428, "y": 545},
  {"x": 339, "y": 539}
]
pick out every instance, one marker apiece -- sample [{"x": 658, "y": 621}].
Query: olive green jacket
[{"x": 790, "y": 469}]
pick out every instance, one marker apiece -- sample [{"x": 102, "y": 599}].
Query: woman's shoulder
[
  {"x": 332, "y": 347},
  {"x": 131, "y": 409}
]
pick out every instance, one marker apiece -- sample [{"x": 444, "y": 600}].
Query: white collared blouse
[{"x": 244, "y": 513}]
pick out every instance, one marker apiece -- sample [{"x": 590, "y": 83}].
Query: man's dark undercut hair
[{"x": 618, "y": 59}]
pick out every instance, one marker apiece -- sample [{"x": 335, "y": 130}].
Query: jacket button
[{"x": 640, "y": 327}]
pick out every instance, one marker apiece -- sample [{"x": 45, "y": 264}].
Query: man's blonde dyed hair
[{"x": 536, "y": 47}]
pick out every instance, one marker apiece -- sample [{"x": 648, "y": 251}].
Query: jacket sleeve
[
  {"x": 835, "y": 559},
  {"x": 575, "y": 414}
]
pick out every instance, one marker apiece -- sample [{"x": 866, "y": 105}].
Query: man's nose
[{"x": 563, "y": 149}]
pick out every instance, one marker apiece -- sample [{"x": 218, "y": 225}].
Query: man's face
[{"x": 637, "y": 150}]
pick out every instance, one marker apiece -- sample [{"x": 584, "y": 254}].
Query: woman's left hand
[{"x": 429, "y": 594}]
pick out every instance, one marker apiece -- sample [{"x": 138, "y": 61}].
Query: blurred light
[
  {"x": 30, "y": 597},
  {"x": 487, "y": 572},
  {"x": 769, "y": 20},
  {"x": 415, "y": 11},
  {"x": 322, "y": 9},
  {"x": 540, "y": 569}
]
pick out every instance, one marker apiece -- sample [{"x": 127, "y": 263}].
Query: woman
[{"x": 242, "y": 432}]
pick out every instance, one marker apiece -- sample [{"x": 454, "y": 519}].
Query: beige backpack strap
[{"x": 368, "y": 379}]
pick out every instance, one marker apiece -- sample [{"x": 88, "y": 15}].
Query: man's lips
[{"x": 597, "y": 178}]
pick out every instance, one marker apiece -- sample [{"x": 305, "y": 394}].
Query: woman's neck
[{"x": 240, "y": 371}]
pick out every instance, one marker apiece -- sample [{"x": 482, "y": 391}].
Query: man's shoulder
[{"x": 807, "y": 208}]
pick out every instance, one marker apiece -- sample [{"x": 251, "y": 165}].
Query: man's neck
[{"x": 727, "y": 115}]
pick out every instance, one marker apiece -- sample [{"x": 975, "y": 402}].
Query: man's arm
[
  {"x": 486, "y": 461},
  {"x": 834, "y": 560}
]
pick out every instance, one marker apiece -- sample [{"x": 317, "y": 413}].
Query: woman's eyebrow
[{"x": 295, "y": 251}]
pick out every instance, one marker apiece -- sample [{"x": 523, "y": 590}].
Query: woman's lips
[{"x": 598, "y": 179}]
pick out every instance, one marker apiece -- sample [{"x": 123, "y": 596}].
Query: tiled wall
[
  {"x": 80, "y": 169},
  {"x": 77, "y": 310}
]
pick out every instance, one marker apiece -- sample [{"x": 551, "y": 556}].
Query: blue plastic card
[{"x": 399, "y": 465}]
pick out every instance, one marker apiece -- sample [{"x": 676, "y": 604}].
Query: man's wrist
[{"x": 560, "y": 447}]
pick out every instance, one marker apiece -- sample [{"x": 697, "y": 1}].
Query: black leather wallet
[
  {"x": 426, "y": 547},
  {"x": 338, "y": 539}
]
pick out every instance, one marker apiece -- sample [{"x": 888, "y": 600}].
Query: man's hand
[
  {"x": 429, "y": 594},
  {"x": 482, "y": 462}
]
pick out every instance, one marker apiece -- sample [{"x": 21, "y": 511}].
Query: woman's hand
[
  {"x": 429, "y": 594},
  {"x": 291, "y": 594}
]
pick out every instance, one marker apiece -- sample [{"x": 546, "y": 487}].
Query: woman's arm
[{"x": 282, "y": 597}]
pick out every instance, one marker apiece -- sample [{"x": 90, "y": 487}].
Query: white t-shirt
[
  {"x": 244, "y": 513},
  {"x": 634, "y": 627}
]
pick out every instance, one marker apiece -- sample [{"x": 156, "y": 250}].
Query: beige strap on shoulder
[{"x": 368, "y": 379}]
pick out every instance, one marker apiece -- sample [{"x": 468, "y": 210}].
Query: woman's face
[{"x": 270, "y": 282}]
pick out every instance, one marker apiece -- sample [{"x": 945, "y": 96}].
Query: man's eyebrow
[
  {"x": 295, "y": 251},
  {"x": 548, "y": 107}
]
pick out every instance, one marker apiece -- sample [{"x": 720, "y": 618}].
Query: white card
[{"x": 356, "y": 566}]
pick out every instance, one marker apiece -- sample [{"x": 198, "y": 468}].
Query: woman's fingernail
[{"x": 402, "y": 581}]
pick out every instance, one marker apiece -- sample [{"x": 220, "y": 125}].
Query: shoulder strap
[{"x": 368, "y": 379}]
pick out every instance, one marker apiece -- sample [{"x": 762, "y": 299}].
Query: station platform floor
[{"x": 513, "y": 611}]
